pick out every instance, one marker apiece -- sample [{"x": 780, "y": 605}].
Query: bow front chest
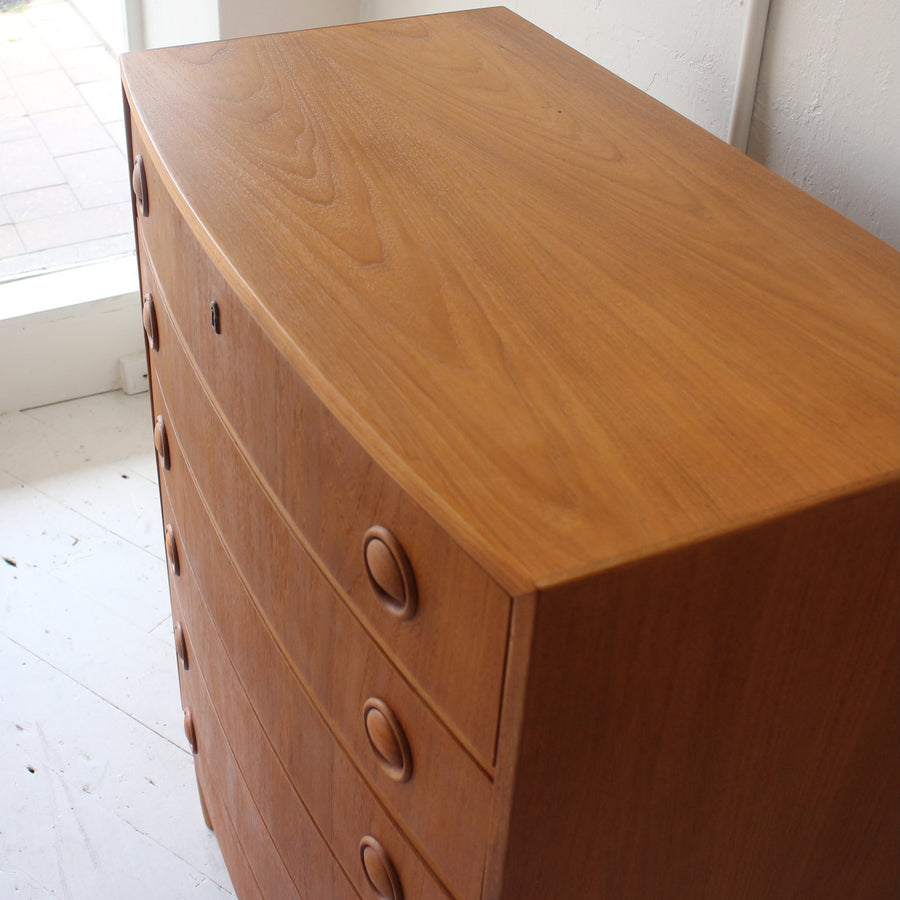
[{"x": 529, "y": 477}]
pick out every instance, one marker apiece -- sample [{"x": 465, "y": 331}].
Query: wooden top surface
[{"x": 573, "y": 325}]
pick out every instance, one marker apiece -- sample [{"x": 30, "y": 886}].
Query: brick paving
[{"x": 64, "y": 192}]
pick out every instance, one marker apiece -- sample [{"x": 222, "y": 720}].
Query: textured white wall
[
  {"x": 682, "y": 52},
  {"x": 827, "y": 111},
  {"x": 827, "y": 114}
]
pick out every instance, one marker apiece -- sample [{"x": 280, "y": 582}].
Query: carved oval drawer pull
[
  {"x": 379, "y": 869},
  {"x": 172, "y": 550},
  {"x": 387, "y": 739},
  {"x": 390, "y": 572},
  {"x": 190, "y": 732},
  {"x": 181, "y": 645},
  {"x": 151, "y": 328},
  {"x": 139, "y": 185},
  {"x": 161, "y": 442}
]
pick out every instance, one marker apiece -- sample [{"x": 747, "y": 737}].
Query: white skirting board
[{"x": 62, "y": 335}]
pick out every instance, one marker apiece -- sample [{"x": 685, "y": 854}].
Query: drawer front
[
  {"x": 294, "y": 769},
  {"x": 453, "y": 647},
  {"x": 304, "y": 628},
  {"x": 225, "y": 791},
  {"x": 242, "y": 878}
]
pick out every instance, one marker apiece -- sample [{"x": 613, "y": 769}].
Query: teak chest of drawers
[{"x": 529, "y": 473}]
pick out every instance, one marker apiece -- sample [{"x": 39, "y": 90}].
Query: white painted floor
[{"x": 97, "y": 790}]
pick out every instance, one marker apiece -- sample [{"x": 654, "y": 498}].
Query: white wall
[
  {"x": 827, "y": 115},
  {"x": 828, "y": 105},
  {"x": 170, "y": 22},
  {"x": 683, "y": 52},
  {"x": 238, "y": 18}
]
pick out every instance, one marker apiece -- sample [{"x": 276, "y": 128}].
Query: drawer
[
  {"x": 453, "y": 648},
  {"x": 231, "y": 807},
  {"x": 294, "y": 769},
  {"x": 302, "y": 627},
  {"x": 242, "y": 878}
]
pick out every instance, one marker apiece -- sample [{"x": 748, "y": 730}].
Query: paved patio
[{"x": 64, "y": 191}]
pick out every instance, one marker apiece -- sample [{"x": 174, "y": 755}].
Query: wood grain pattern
[
  {"x": 294, "y": 637},
  {"x": 628, "y": 402},
  {"x": 310, "y": 795},
  {"x": 230, "y": 803},
  {"x": 331, "y": 492},
  {"x": 725, "y": 724},
  {"x": 533, "y": 294},
  {"x": 239, "y": 870}
]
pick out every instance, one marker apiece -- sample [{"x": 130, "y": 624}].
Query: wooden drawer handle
[
  {"x": 161, "y": 442},
  {"x": 380, "y": 871},
  {"x": 139, "y": 186},
  {"x": 172, "y": 550},
  {"x": 390, "y": 572},
  {"x": 387, "y": 739},
  {"x": 181, "y": 646},
  {"x": 151, "y": 327},
  {"x": 190, "y": 732}
]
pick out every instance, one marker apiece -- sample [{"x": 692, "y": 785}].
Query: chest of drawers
[{"x": 529, "y": 477}]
